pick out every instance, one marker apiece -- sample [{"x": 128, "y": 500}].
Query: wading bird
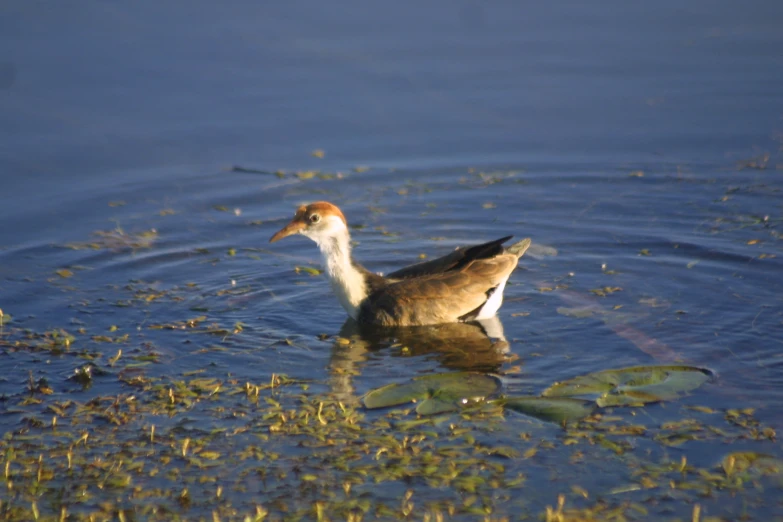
[{"x": 464, "y": 285}]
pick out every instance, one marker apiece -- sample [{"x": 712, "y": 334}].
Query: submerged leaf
[
  {"x": 555, "y": 409},
  {"x": 634, "y": 385},
  {"x": 579, "y": 313},
  {"x": 439, "y": 393}
]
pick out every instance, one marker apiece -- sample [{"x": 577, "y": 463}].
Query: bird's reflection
[{"x": 474, "y": 346}]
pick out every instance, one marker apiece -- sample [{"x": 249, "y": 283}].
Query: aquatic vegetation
[
  {"x": 437, "y": 393},
  {"x": 117, "y": 239},
  {"x": 155, "y": 398},
  {"x": 632, "y": 386},
  {"x": 308, "y": 270},
  {"x": 559, "y": 403},
  {"x": 207, "y": 446},
  {"x": 555, "y": 409}
]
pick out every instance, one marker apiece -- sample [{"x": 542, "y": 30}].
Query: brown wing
[
  {"x": 453, "y": 261},
  {"x": 437, "y": 298}
]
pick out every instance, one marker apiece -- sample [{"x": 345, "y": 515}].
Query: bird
[{"x": 465, "y": 285}]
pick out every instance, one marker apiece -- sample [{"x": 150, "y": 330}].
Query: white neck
[{"x": 347, "y": 282}]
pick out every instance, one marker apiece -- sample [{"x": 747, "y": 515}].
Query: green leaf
[
  {"x": 436, "y": 393},
  {"x": 555, "y": 409},
  {"x": 434, "y": 406},
  {"x": 633, "y": 385},
  {"x": 308, "y": 270}
]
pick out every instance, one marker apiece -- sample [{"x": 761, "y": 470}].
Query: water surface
[{"x": 638, "y": 147}]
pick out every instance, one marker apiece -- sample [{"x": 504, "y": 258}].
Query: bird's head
[{"x": 318, "y": 221}]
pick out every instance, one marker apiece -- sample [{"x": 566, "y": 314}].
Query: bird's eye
[{"x": 315, "y": 218}]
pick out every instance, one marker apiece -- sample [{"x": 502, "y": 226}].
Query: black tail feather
[{"x": 483, "y": 251}]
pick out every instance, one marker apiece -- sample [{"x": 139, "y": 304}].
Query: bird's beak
[{"x": 294, "y": 227}]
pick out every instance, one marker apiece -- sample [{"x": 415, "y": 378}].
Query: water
[{"x": 640, "y": 145}]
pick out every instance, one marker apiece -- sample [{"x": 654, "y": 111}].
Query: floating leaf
[
  {"x": 438, "y": 393},
  {"x": 82, "y": 376},
  {"x": 433, "y": 406},
  {"x": 118, "y": 239},
  {"x": 209, "y": 455},
  {"x": 751, "y": 462},
  {"x": 634, "y": 385},
  {"x": 554, "y": 409},
  {"x": 308, "y": 270},
  {"x": 606, "y": 290}
]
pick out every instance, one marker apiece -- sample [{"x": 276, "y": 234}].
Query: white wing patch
[{"x": 492, "y": 305}]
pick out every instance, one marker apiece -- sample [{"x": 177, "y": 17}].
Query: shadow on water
[{"x": 473, "y": 346}]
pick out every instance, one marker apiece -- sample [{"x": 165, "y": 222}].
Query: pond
[{"x": 163, "y": 361}]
